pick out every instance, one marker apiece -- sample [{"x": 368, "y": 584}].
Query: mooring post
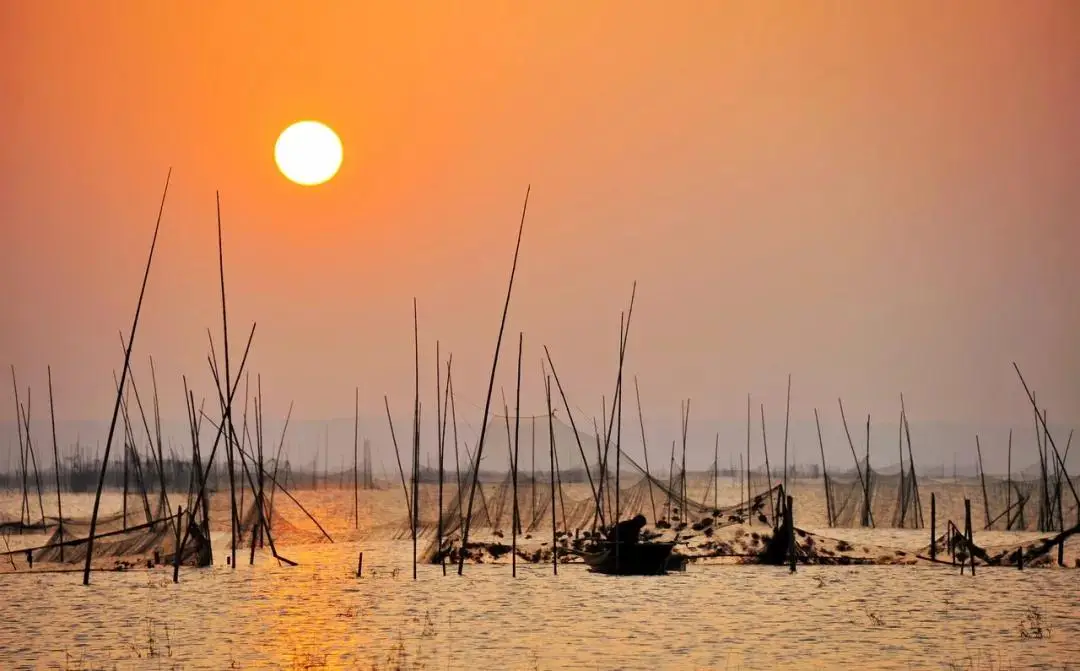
[
  {"x": 789, "y": 516},
  {"x": 1061, "y": 552},
  {"x": 933, "y": 526},
  {"x": 360, "y": 565}
]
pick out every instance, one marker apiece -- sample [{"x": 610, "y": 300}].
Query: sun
[{"x": 308, "y": 153}]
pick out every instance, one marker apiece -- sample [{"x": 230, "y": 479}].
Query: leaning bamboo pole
[
  {"x": 644, "y": 448},
  {"x": 491, "y": 386},
  {"x": 441, "y": 403},
  {"x": 401, "y": 470},
  {"x": 749, "y": 490},
  {"x": 144, "y": 485},
  {"x": 514, "y": 464},
  {"x": 356, "y": 461},
  {"x": 787, "y": 422},
  {"x": 416, "y": 440},
  {"x": 867, "y": 515},
  {"x": 900, "y": 448},
  {"x": 554, "y": 475},
  {"x": 163, "y": 504},
  {"x": 768, "y": 469},
  {"x": 982, "y": 479},
  {"x": 913, "y": 478},
  {"x": 24, "y": 510},
  {"x": 573, "y": 426},
  {"x": 457, "y": 453},
  {"x": 277, "y": 463},
  {"x": 824, "y": 473},
  {"x": 1050, "y": 439},
  {"x": 863, "y": 482},
  {"x": 56, "y": 461},
  {"x": 123, "y": 377},
  {"x": 33, "y": 460}
]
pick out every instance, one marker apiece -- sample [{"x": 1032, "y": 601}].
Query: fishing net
[
  {"x": 121, "y": 547},
  {"x": 284, "y": 531}
]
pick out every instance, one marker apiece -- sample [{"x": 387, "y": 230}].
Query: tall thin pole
[
  {"x": 514, "y": 475},
  {"x": 644, "y": 448},
  {"x": 749, "y": 491},
  {"x": 356, "y": 462},
  {"x": 56, "y": 460},
  {"x": 442, "y": 420},
  {"x": 1008, "y": 486},
  {"x": 866, "y": 494},
  {"x": 554, "y": 475},
  {"x": 33, "y": 462},
  {"x": 787, "y": 418},
  {"x": 491, "y": 387},
  {"x": 229, "y": 437},
  {"x": 119, "y": 394},
  {"x": 416, "y": 438},
  {"x": 824, "y": 471},
  {"x": 768, "y": 468},
  {"x": 982, "y": 479},
  {"x": 24, "y": 510}
]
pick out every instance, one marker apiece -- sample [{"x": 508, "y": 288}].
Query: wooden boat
[{"x": 632, "y": 559}]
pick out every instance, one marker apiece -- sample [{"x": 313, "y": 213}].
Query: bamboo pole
[
  {"x": 824, "y": 472},
  {"x": 685, "y": 426},
  {"x": 532, "y": 478},
  {"x": 123, "y": 377},
  {"x": 439, "y": 449},
  {"x": 457, "y": 454},
  {"x": 514, "y": 466},
  {"x": 144, "y": 485},
  {"x": 277, "y": 464},
  {"x": 441, "y": 403},
  {"x": 573, "y": 427},
  {"x": 671, "y": 483},
  {"x": 911, "y": 466},
  {"x": 256, "y": 488},
  {"x": 982, "y": 479},
  {"x": 131, "y": 454},
  {"x": 227, "y": 420},
  {"x": 56, "y": 460},
  {"x": 491, "y": 386},
  {"x": 416, "y": 439},
  {"x": 554, "y": 475},
  {"x": 749, "y": 490},
  {"x": 787, "y": 421},
  {"x": 900, "y": 449},
  {"x": 33, "y": 461},
  {"x": 858, "y": 468},
  {"x": 768, "y": 469},
  {"x": 867, "y": 517},
  {"x": 1008, "y": 484},
  {"x": 356, "y": 461},
  {"x": 163, "y": 504},
  {"x": 24, "y": 510},
  {"x": 618, "y": 447},
  {"x": 1049, "y": 437}
]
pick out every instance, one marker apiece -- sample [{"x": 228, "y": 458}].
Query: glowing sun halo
[{"x": 308, "y": 153}]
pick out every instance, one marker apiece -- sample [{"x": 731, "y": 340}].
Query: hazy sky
[{"x": 874, "y": 197}]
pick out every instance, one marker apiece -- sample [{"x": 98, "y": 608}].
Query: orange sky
[{"x": 875, "y": 197}]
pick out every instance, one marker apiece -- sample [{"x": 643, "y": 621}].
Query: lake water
[{"x": 319, "y": 615}]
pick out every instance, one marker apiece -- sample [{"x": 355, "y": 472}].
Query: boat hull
[{"x": 631, "y": 559}]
